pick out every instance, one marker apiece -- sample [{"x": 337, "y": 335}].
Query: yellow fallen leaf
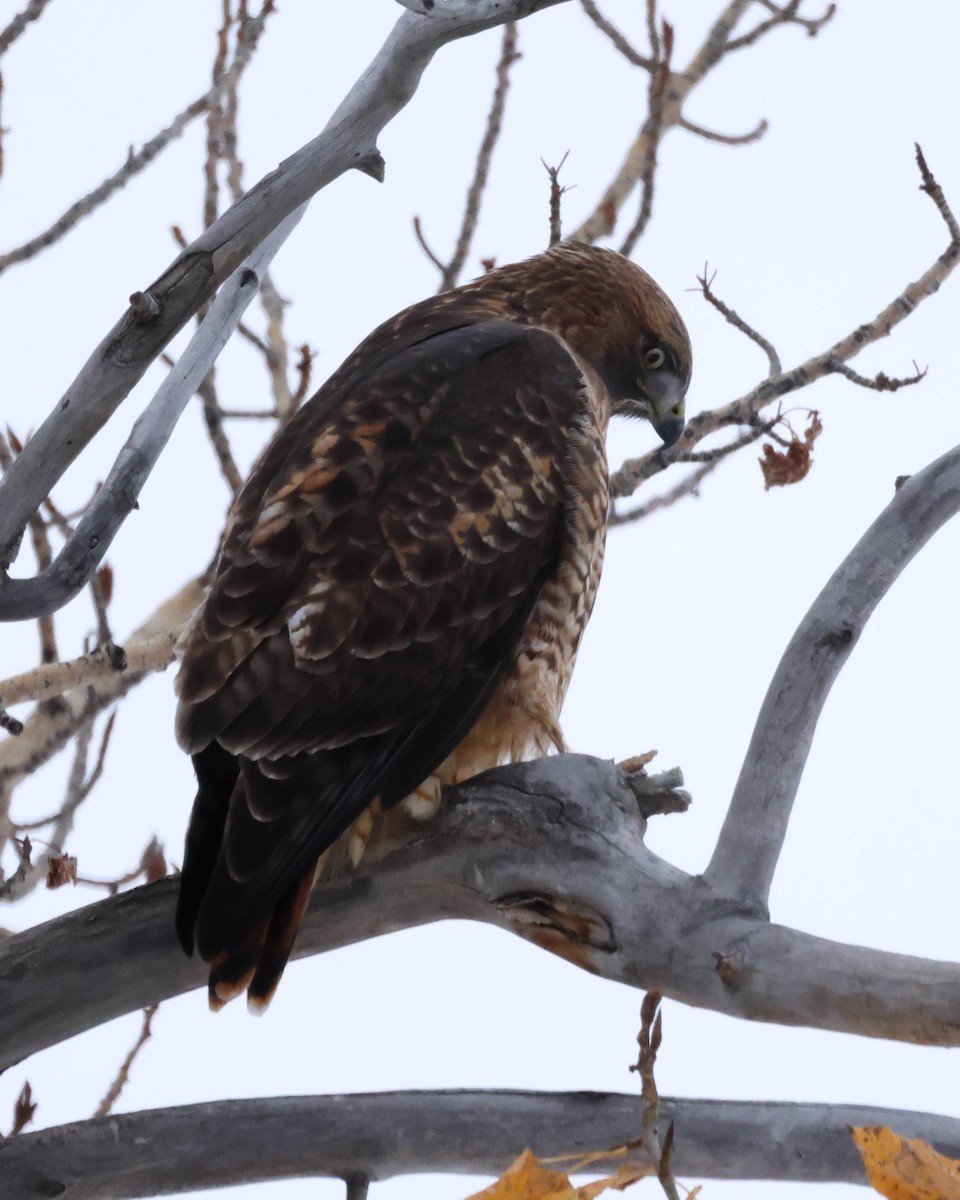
[
  {"x": 906, "y": 1168},
  {"x": 528, "y": 1179},
  {"x": 525, "y": 1179}
]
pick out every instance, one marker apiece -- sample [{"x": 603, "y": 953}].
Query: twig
[
  {"x": 649, "y": 1039},
  {"x": 687, "y": 487},
  {"x": 556, "y": 191},
  {"x": 880, "y": 382},
  {"x": 82, "y": 790},
  {"x": 773, "y": 358},
  {"x": 602, "y": 221},
  {"x": 726, "y": 139},
  {"x": 136, "y": 162},
  {"x": 152, "y": 867},
  {"x": 347, "y": 143},
  {"x": 616, "y": 37},
  {"x": 304, "y": 371},
  {"x": 53, "y": 679},
  {"x": 935, "y": 192},
  {"x": 213, "y": 420},
  {"x": 32, "y": 12},
  {"x": 98, "y": 526},
  {"x": 746, "y": 409},
  {"x": 123, "y": 1075},
  {"x": 785, "y": 15},
  {"x": 425, "y": 247},
  {"x": 450, "y": 272},
  {"x": 660, "y": 79}
]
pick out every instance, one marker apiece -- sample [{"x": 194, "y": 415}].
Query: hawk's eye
[{"x": 654, "y": 358}]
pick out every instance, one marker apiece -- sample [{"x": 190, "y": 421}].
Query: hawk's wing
[{"x": 371, "y": 591}]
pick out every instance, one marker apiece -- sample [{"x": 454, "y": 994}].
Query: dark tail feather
[
  {"x": 232, "y": 970},
  {"x": 280, "y": 936},
  {"x": 217, "y": 773}
]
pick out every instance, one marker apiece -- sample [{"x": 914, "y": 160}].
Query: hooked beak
[{"x": 664, "y": 393}]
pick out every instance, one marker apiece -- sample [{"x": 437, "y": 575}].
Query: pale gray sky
[{"x": 812, "y": 231}]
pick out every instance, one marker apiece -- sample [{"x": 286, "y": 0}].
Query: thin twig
[
  {"x": 123, "y": 1075},
  {"x": 602, "y": 221},
  {"x": 136, "y": 162},
  {"x": 649, "y": 1039},
  {"x": 726, "y": 139},
  {"x": 773, "y": 358},
  {"x": 935, "y": 192},
  {"x": 82, "y": 790},
  {"x": 616, "y": 37},
  {"x": 880, "y": 382},
  {"x": 556, "y": 191},
  {"x": 787, "y": 15},
  {"x": 746, "y": 409},
  {"x": 213, "y": 420},
  {"x": 304, "y": 372},
  {"x": 32, "y": 12},
  {"x": 450, "y": 272},
  {"x": 660, "y": 77},
  {"x": 687, "y": 487}
]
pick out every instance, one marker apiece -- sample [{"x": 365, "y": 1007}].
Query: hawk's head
[{"x": 618, "y": 320}]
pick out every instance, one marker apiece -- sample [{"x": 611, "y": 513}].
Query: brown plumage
[{"x": 404, "y": 580}]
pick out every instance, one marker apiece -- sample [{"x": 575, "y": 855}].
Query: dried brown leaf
[
  {"x": 61, "y": 869},
  {"x": 23, "y": 1109},
  {"x": 153, "y": 862}
]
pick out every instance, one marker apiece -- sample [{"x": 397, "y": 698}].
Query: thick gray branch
[
  {"x": 471, "y": 1132},
  {"x": 551, "y": 850},
  {"x": 349, "y": 140},
  {"x": 750, "y": 842},
  {"x": 113, "y": 503}
]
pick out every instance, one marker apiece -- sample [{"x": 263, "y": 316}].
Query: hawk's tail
[{"x": 256, "y": 965}]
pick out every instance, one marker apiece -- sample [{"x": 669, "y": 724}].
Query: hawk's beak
[
  {"x": 666, "y": 404},
  {"x": 670, "y": 426}
]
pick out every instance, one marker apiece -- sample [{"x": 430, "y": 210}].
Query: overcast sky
[{"x": 812, "y": 231}]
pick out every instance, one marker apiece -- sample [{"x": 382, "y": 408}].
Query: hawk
[{"x": 404, "y": 580}]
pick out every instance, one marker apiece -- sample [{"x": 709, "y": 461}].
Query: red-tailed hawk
[{"x": 404, "y": 581}]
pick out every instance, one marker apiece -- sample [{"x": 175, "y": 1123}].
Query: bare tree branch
[
  {"x": 726, "y": 139},
  {"x": 114, "y": 501},
  {"x": 746, "y": 409},
  {"x": 32, "y": 12},
  {"x": 616, "y": 37},
  {"x": 232, "y": 1142},
  {"x": 785, "y": 14},
  {"x": 602, "y": 221},
  {"x": 756, "y": 823},
  {"x": 136, "y": 162},
  {"x": 773, "y": 358},
  {"x": 622, "y": 912},
  {"x": 348, "y": 141},
  {"x": 123, "y": 1075},
  {"x": 53, "y": 679}
]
